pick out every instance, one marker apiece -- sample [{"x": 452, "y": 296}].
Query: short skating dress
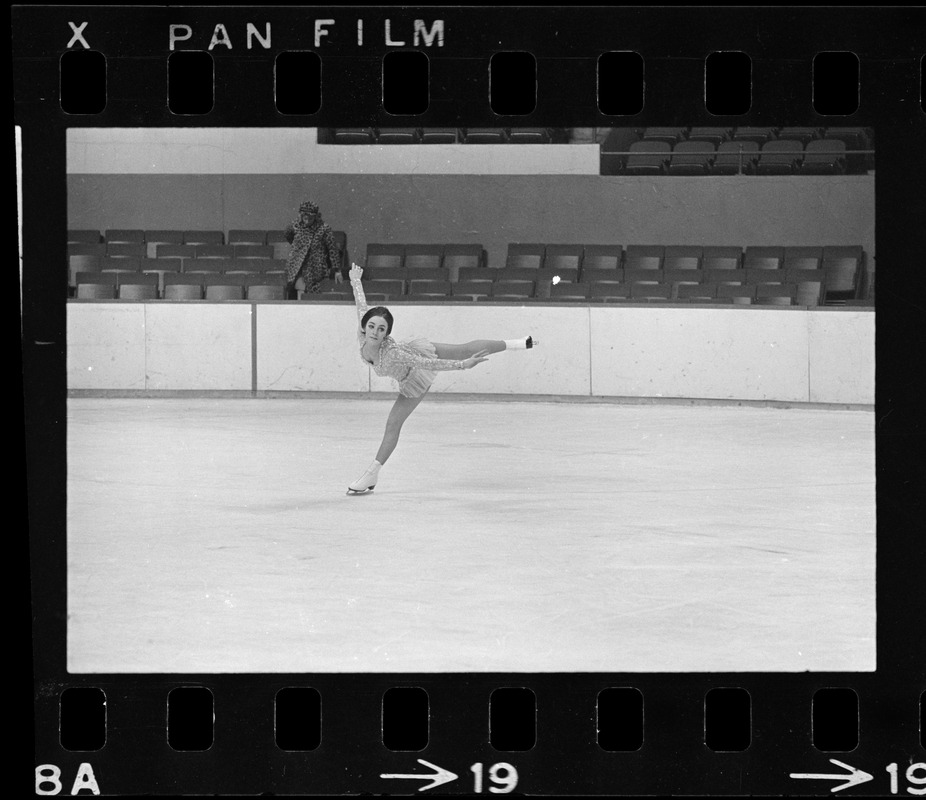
[{"x": 412, "y": 364}]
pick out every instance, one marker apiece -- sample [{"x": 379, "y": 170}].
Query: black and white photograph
[
  {"x": 494, "y": 399},
  {"x": 641, "y": 366}
]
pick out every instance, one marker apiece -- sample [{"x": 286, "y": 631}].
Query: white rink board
[
  {"x": 308, "y": 347},
  {"x": 199, "y": 346},
  {"x": 106, "y": 346},
  {"x": 703, "y": 353},
  {"x": 842, "y": 357}
]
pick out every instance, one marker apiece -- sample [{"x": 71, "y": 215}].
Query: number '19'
[{"x": 503, "y": 774}]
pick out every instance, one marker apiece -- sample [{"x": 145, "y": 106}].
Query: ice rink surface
[{"x": 215, "y": 535}]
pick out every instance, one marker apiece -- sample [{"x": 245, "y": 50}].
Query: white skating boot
[
  {"x": 366, "y": 482},
  {"x": 524, "y": 343}
]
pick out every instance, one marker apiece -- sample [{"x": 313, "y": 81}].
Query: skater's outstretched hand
[
  {"x": 477, "y": 358},
  {"x": 355, "y": 272}
]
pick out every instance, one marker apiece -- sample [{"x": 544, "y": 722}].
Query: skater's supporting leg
[{"x": 400, "y": 412}]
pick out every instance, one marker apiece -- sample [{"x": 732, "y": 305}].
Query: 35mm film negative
[{"x": 669, "y": 544}]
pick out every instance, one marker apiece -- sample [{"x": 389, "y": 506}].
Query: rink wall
[{"x": 733, "y": 353}]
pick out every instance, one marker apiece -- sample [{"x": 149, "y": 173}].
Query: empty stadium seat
[
  {"x": 181, "y": 251},
  {"x": 214, "y": 251},
  {"x": 608, "y": 292},
  {"x": 429, "y": 288},
  {"x": 183, "y": 291},
  {"x": 251, "y": 251},
  {"x": 110, "y": 264},
  {"x": 277, "y": 241},
  {"x": 691, "y": 158},
  {"x": 842, "y": 277},
  {"x": 779, "y": 157},
  {"x": 477, "y": 274},
  {"x": 759, "y": 275},
  {"x": 524, "y": 256},
  {"x": 601, "y": 257},
  {"x": 385, "y": 255},
  {"x": 224, "y": 291},
  {"x": 682, "y": 257},
  {"x": 713, "y": 135},
  {"x": 254, "y": 237},
  {"x": 180, "y": 286},
  {"x": 781, "y": 294},
  {"x": 203, "y": 237},
  {"x": 564, "y": 274},
  {"x": 757, "y": 135},
  {"x": 644, "y": 256},
  {"x": 529, "y": 136},
  {"x": 424, "y": 256},
  {"x": 155, "y": 238},
  {"x": 668, "y": 135},
  {"x": 160, "y": 267},
  {"x": 763, "y": 257},
  {"x": 650, "y": 291},
  {"x": 426, "y": 273},
  {"x": 126, "y": 250},
  {"x": 563, "y": 257},
  {"x": 725, "y": 276},
  {"x": 803, "y": 257},
  {"x": 647, "y": 158},
  {"x": 740, "y": 294},
  {"x": 206, "y": 265},
  {"x": 96, "y": 291},
  {"x": 824, "y": 157},
  {"x": 810, "y": 285},
  {"x": 682, "y": 277},
  {"x": 138, "y": 291},
  {"x": 485, "y": 136},
  {"x": 471, "y": 289},
  {"x": 735, "y": 157},
  {"x": 799, "y": 134},
  {"x": 569, "y": 292},
  {"x": 721, "y": 257},
  {"x": 397, "y": 136},
  {"x": 440, "y": 135},
  {"x": 390, "y": 289},
  {"x": 642, "y": 275},
  {"x": 260, "y": 291},
  {"x": 512, "y": 289},
  {"x": 459, "y": 256},
  {"x": 124, "y": 236},
  {"x": 354, "y": 136},
  {"x": 384, "y": 274},
  {"x": 695, "y": 292}
]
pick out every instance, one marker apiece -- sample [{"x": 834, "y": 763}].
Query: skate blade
[{"x": 360, "y": 491}]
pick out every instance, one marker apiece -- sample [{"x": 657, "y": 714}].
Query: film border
[{"x": 673, "y": 42}]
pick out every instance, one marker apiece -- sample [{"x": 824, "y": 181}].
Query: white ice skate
[{"x": 366, "y": 482}]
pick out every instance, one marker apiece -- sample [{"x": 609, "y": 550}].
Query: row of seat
[
  {"x": 238, "y": 243},
  {"x": 736, "y": 157},
  {"x": 179, "y": 286},
  {"x": 608, "y": 256},
  {"x": 854, "y": 138},
  {"x": 442, "y": 136}
]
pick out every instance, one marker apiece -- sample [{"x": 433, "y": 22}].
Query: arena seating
[{"x": 245, "y": 269}]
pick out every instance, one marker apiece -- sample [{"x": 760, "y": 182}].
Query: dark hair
[{"x": 378, "y": 311}]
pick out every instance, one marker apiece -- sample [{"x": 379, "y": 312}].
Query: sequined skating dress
[{"x": 412, "y": 364}]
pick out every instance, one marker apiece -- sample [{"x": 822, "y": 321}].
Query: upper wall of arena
[{"x": 228, "y": 178}]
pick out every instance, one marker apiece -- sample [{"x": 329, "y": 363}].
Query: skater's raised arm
[
  {"x": 410, "y": 358},
  {"x": 359, "y": 297}
]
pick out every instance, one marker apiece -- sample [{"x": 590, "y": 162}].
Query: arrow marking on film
[
  {"x": 439, "y": 776},
  {"x": 854, "y": 777}
]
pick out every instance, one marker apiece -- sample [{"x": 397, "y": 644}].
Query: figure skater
[{"x": 412, "y": 365}]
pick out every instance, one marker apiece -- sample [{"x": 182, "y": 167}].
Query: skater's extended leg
[{"x": 459, "y": 352}]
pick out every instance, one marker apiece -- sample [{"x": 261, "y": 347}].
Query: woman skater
[{"x": 412, "y": 365}]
